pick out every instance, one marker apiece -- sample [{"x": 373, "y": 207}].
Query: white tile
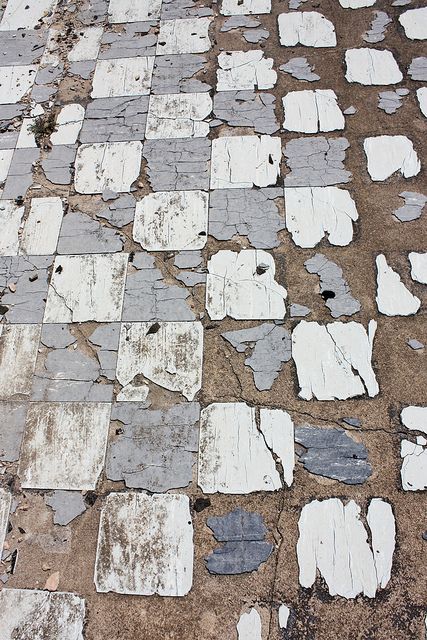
[
  {"x": 107, "y": 166},
  {"x": 64, "y": 445},
  {"x": 122, "y": 77},
  {"x": 312, "y": 111},
  {"x": 18, "y": 352},
  {"x": 237, "y": 458},
  {"x": 418, "y": 266},
  {"x": 415, "y": 418},
  {"x": 51, "y": 50},
  {"x": 284, "y": 613},
  {"x": 308, "y": 28},
  {"x": 170, "y": 356},
  {"x": 315, "y": 212},
  {"x": 15, "y": 82},
  {"x": 10, "y": 221},
  {"x": 393, "y": 298},
  {"x": 178, "y": 116},
  {"x": 189, "y": 35},
  {"x": 414, "y": 23},
  {"x": 333, "y": 541},
  {"x": 242, "y": 285},
  {"x": 130, "y": 11},
  {"x": 145, "y": 545},
  {"x": 25, "y": 14},
  {"x": 249, "y": 626},
  {"x": 40, "y": 614},
  {"x": 5, "y": 502},
  {"x": 5, "y": 160},
  {"x": 413, "y": 471},
  {"x": 333, "y": 361},
  {"x": 41, "y": 229},
  {"x": 372, "y": 66},
  {"x": 68, "y": 124},
  {"x": 242, "y": 162},
  {"x": 422, "y": 100},
  {"x": 356, "y": 4},
  {"x": 87, "y": 287},
  {"x": 26, "y": 138},
  {"x": 388, "y": 154},
  {"x": 172, "y": 221},
  {"x": 240, "y": 70},
  {"x": 87, "y": 45},
  {"x": 245, "y": 7}
]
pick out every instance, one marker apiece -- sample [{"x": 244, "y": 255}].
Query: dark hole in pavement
[
  {"x": 327, "y": 295},
  {"x": 153, "y": 329},
  {"x": 200, "y": 504}
]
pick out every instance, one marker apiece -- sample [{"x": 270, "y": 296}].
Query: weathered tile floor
[{"x": 213, "y": 270}]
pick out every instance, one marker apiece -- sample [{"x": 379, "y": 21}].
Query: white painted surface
[
  {"x": 393, "y": 298},
  {"x": 334, "y": 541},
  {"x": 107, "y": 166},
  {"x": 88, "y": 287},
  {"x": 333, "y": 361},
  {"x": 418, "y": 266},
  {"x": 235, "y": 289},
  {"x": 308, "y": 28},
  {"x": 122, "y": 77},
  {"x": 172, "y": 221},
  {"x": 240, "y": 70},
  {"x": 388, "y": 154},
  {"x": 245, "y": 7},
  {"x": 51, "y": 50},
  {"x": 284, "y": 613},
  {"x": 87, "y": 45},
  {"x": 241, "y": 162},
  {"x": 315, "y": 212},
  {"x": 312, "y": 111},
  {"x": 356, "y": 4},
  {"x": 414, "y": 418},
  {"x": 5, "y": 160},
  {"x": 68, "y": 124},
  {"x": 414, "y": 22},
  {"x": 25, "y": 14},
  {"x": 15, "y": 82},
  {"x": 422, "y": 100},
  {"x": 130, "y": 11},
  {"x": 5, "y": 502},
  {"x": 414, "y": 466},
  {"x": 249, "y": 626},
  {"x": 178, "y": 116},
  {"x": 57, "y": 616},
  {"x": 26, "y": 138},
  {"x": 189, "y": 35},
  {"x": 381, "y": 522},
  {"x": 64, "y": 445},
  {"x": 18, "y": 353},
  {"x": 372, "y": 67},
  {"x": 170, "y": 357},
  {"x": 235, "y": 457},
  {"x": 10, "y": 221},
  {"x": 145, "y": 545},
  {"x": 41, "y": 229}
]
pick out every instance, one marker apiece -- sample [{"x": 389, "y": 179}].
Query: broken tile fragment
[
  {"x": 245, "y": 70},
  {"x": 55, "y": 615},
  {"x": 308, "y": 28},
  {"x": 96, "y": 166},
  {"x": 122, "y": 77},
  {"x": 12, "y": 428},
  {"x": 135, "y": 40},
  {"x": 178, "y": 116},
  {"x": 236, "y": 457},
  {"x": 67, "y": 505},
  {"x": 175, "y": 165},
  {"x": 176, "y": 73},
  {"x": 418, "y": 69},
  {"x": 10, "y": 219},
  {"x": 418, "y": 263},
  {"x": 316, "y": 162},
  {"x": 237, "y": 21},
  {"x": 59, "y": 163},
  {"x": 388, "y": 154},
  {"x": 334, "y": 454},
  {"x": 256, "y": 35},
  {"x": 414, "y": 418},
  {"x": 80, "y": 234},
  {"x": 120, "y": 212},
  {"x": 64, "y": 445},
  {"x": 371, "y": 67},
  {"x": 413, "y": 207},
  {"x": 333, "y": 286},
  {"x": 415, "y": 344},
  {"x": 313, "y": 212},
  {"x": 249, "y": 626},
  {"x": 390, "y": 101},
  {"x": 87, "y": 45},
  {"x": 245, "y": 7},
  {"x": 169, "y": 354},
  {"x": 298, "y": 311},
  {"x": 26, "y": 14},
  {"x": 5, "y": 502},
  {"x": 18, "y": 352},
  {"x": 154, "y": 450},
  {"x": 356, "y": 4},
  {"x": 130, "y": 11},
  {"x": 41, "y": 229},
  {"x": 300, "y": 69},
  {"x": 378, "y": 27},
  {"x": 333, "y": 361},
  {"x": 23, "y": 287},
  {"x": 242, "y": 285},
  {"x": 68, "y": 124},
  {"x": 172, "y": 9},
  {"x": 284, "y": 616},
  {"x": 414, "y": 23},
  {"x": 25, "y": 47},
  {"x": 15, "y": 82},
  {"x": 245, "y": 548},
  {"x": 246, "y": 109},
  {"x": 115, "y": 120},
  {"x": 267, "y": 346},
  {"x": 312, "y": 111},
  {"x": 422, "y": 100},
  {"x": 334, "y": 542},
  {"x": 93, "y": 11},
  {"x": 20, "y": 173},
  {"x": 189, "y": 35},
  {"x": 159, "y": 531},
  {"x": 393, "y": 297},
  {"x": 413, "y": 471}
]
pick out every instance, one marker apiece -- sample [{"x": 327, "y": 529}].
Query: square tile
[
  {"x": 10, "y": 221},
  {"x": 133, "y": 11},
  {"x": 175, "y": 165},
  {"x": 189, "y": 35},
  {"x": 145, "y": 545},
  {"x": 87, "y": 287},
  {"x": 15, "y": 82},
  {"x": 64, "y": 445},
  {"x": 41, "y": 229},
  {"x": 122, "y": 77},
  {"x": 18, "y": 352},
  {"x": 244, "y": 70},
  {"x": 26, "y": 14},
  {"x": 115, "y": 120},
  {"x": 24, "y": 284},
  {"x": 112, "y": 166},
  {"x": 178, "y": 116}
]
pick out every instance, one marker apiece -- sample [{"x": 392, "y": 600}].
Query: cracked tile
[
  {"x": 393, "y": 297},
  {"x": 12, "y": 429},
  {"x": 300, "y": 69},
  {"x": 120, "y": 212},
  {"x": 378, "y": 27},
  {"x": 20, "y": 174},
  {"x": 333, "y": 361},
  {"x": 372, "y": 67},
  {"x": 68, "y": 125},
  {"x": 128, "y": 11},
  {"x": 308, "y": 28},
  {"x": 25, "y": 47},
  {"x": 245, "y": 7},
  {"x": 123, "y": 77},
  {"x": 23, "y": 288},
  {"x": 115, "y": 120},
  {"x": 10, "y": 219},
  {"x": 26, "y": 14},
  {"x": 333, "y": 287},
  {"x": 418, "y": 263},
  {"x": 245, "y": 70},
  {"x": 176, "y": 74},
  {"x": 175, "y": 165},
  {"x": 391, "y": 101},
  {"x": 178, "y": 116},
  {"x": 59, "y": 164},
  {"x": 41, "y": 229},
  {"x": 413, "y": 471},
  {"x": 189, "y": 35},
  {"x": 173, "y": 9},
  {"x": 236, "y": 21},
  {"x": 159, "y": 531},
  {"x": 312, "y": 111},
  {"x": 96, "y": 166},
  {"x": 316, "y": 162},
  {"x": 247, "y": 109},
  {"x": 257, "y": 35},
  {"x": 417, "y": 70},
  {"x": 414, "y": 418},
  {"x": 87, "y": 45},
  {"x": 80, "y": 234},
  {"x": 231, "y": 445},
  {"x": 413, "y": 207},
  {"x": 242, "y": 285},
  {"x": 64, "y": 445},
  {"x": 136, "y": 39},
  {"x": 155, "y": 450},
  {"x": 66, "y": 505},
  {"x": 414, "y": 23}
]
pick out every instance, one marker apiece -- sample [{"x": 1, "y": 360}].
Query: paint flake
[
  {"x": 316, "y": 162},
  {"x": 393, "y": 297},
  {"x": 388, "y": 154},
  {"x": 414, "y": 23},
  {"x": 308, "y": 28},
  {"x": 249, "y": 626},
  {"x": 122, "y": 77},
  {"x": 413, "y": 207},
  {"x": 300, "y": 69},
  {"x": 97, "y": 166},
  {"x": 333, "y": 286},
  {"x": 245, "y": 7},
  {"x": 418, "y": 266},
  {"x": 120, "y": 11},
  {"x": 414, "y": 418},
  {"x": 414, "y": 466},
  {"x": 372, "y": 67},
  {"x": 312, "y": 111},
  {"x": 5, "y": 502},
  {"x": 245, "y": 70},
  {"x": 189, "y": 35},
  {"x": 178, "y": 116},
  {"x": 18, "y": 353}
]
